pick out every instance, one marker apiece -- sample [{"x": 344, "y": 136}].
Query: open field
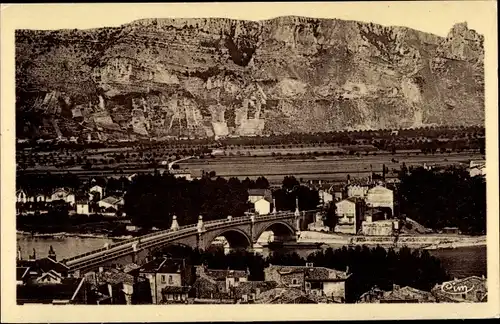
[{"x": 327, "y": 168}]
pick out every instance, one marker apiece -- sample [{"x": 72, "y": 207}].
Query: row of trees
[
  {"x": 46, "y": 183},
  {"x": 368, "y": 266},
  {"x": 152, "y": 200},
  {"x": 444, "y": 198},
  {"x": 341, "y": 137}
]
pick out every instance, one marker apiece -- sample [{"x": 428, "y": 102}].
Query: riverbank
[
  {"x": 66, "y": 234},
  {"x": 424, "y": 241}
]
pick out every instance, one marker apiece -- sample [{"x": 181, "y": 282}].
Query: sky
[{"x": 435, "y": 17}]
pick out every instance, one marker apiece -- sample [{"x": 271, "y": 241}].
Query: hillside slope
[{"x": 206, "y": 77}]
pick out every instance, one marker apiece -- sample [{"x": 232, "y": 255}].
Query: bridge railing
[{"x": 236, "y": 220}]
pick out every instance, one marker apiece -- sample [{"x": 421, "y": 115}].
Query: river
[{"x": 459, "y": 262}]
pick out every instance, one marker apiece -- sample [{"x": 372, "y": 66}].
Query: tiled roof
[
  {"x": 46, "y": 293},
  {"x": 176, "y": 289},
  {"x": 314, "y": 273},
  {"x": 406, "y": 293},
  {"x": 248, "y": 287},
  {"x": 258, "y": 192},
  {"x": 130, "y": 267},
  {"x": 116, "y": 277},
  {"x": 223, "y": 274},
  {"x": 284, "y": 296},
  {"x": 112, "y": 200},
  {"x": 163, "y": 265},
  {"x": 43, "y": 265}
]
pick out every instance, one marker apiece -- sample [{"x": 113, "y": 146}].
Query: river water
[{"x": 460, "y": 262}]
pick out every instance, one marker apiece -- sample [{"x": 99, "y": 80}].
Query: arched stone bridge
[{"x": 240, "y": 232}]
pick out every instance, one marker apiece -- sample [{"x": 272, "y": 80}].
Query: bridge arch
[
  {"x": 280, "y": 229},
  {"x": 236, "y": 238},
  {"x": 172, "y": 249}
]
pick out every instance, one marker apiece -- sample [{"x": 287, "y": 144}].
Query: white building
[
  {"x": 325, "y": 197},
  {"x": 63, "y": 194},
  {"x": 477, "y": 168},
  {"x": 82, "y": 206},
  {"x": 22, "y": 197},
  {"x": 98, "y": 189},
  {"x": 356, "y": 190},
  {"x": 182, "y": 174},
  {"x": 318, "y": 225},
  {"x": 380, "y": 196},
  {"x": 262, "y": 206},
  {"x": 349, "y": 215}
]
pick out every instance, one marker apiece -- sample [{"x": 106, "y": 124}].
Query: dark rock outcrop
[{"x": 206, "y": 77}]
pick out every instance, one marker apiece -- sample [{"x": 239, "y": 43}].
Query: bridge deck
[{"x": 160, "y": 237}]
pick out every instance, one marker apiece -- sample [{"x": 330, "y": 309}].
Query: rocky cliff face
[{"x": 218, "y": 77}]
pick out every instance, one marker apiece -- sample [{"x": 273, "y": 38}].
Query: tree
[{"x": 331, "y": 215}]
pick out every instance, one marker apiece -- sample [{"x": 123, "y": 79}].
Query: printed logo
[{"x": 453, "y": 287}]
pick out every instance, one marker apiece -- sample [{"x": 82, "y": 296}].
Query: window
[
  {"x": 170, "y": 280},
  {"x": 294, "y": 281},
  {"x": 163, "y": 279}
]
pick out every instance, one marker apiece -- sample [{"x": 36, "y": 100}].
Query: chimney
[
  {"x": 347, "y": 270},
  {"x": 52, "y": 254},
  {"x": 274, "y": 206}
]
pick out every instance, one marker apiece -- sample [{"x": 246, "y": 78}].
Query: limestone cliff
[{"x": 218, "y": 77}]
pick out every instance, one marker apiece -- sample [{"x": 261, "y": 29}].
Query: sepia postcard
[{"x": 230, "y": 161}]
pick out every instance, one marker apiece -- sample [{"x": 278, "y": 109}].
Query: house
[
  {"x": 22, "y": 196},
  {"x": 257, "y": 194},
  {"x": 477, "y": 168},
  {"x": 82, "y": 205},
  {"x": 382, "y": 197},
  {"x": 57, "y": 291},
  {"x": 357, "y": 190},
  {"x": 385, "y": 227},
  {"x": 217, "y": 284},
  {"x": 397, "y": 295},
  {"x": 318, "y": 225},
  {"x": 350, "y": 212},
  {"x": 96, "y": 189},
  {"x": 325, "y": 197},
  {"x": 40, "y": 197},
  {"x": 122, "y": 288},
  {"x": 165, "y": 273},
  {"x": 181, "y": 174},
  {"x": 281, "y": 295},
  {"x": 249, "y": 291},
  {"x": 111, "y": 202},
  {"x": 64, "y": 195},
  {"x": 262, "y": 206},
  {"x": 451, "y": 230},
  {"x": 338, "y": 191},
  {"x": 470, "y": 289},
  {"x": 316, "y": 281}
]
